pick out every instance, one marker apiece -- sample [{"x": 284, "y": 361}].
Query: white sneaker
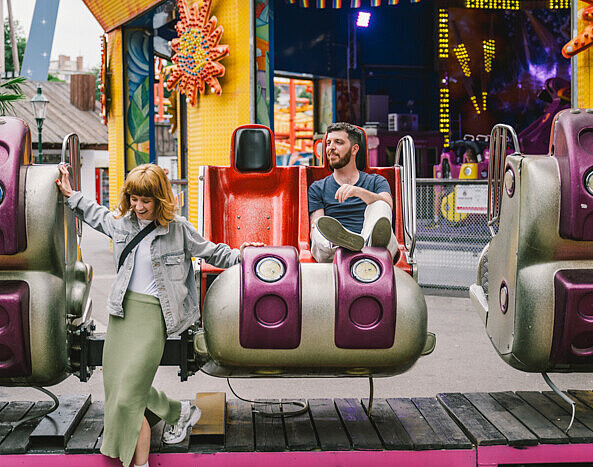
[{"x": 190, "y": 414}]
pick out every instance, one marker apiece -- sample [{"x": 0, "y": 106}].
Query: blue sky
[{"x": 77, "y": 31}]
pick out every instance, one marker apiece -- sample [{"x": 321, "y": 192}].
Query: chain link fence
[{"x": 452, "y": 231}]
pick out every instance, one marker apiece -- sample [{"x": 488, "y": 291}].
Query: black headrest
[
  {"x": 361, "y": 155},
  {"x": 253, "y": 149}
]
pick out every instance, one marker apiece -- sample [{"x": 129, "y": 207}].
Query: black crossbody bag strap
[{"x": 137, "y": 239}]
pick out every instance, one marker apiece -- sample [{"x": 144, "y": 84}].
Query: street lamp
[{"x": 39, "y": 103}]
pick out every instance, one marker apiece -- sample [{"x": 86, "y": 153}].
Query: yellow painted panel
[
  {"x": 212, "y": 120},
  {"x": 584, "y": 70},
  {"x": 116, "y": 116},
  {"x": 113, "y": 13}
]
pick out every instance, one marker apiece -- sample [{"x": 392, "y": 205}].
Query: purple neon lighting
[
  {"x": 363, "y": 19},
  {"x": 542, "y": 72}
]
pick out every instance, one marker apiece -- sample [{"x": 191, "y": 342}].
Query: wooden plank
[
  {"x": 56, "y": 428},
  {"x": 239, "y": 426},
  {"x": 269, "y": 431},
  {"x": 578, "y": 432},
  {"x": 328, "y": 425},
  {"x": 300, "y": 434},
  {"x": 210, "y": 428},
  {"x": 583, "y": 412},
  {"x": 390, "y": 430},
  {"x": 14, "y": 411},
  {"x": 99, "y": 443},
  {"x": 360, "y": 430},
  {"x": 87, "y": 432},
  {"x": 545, "y": 431},
  {"x": 4, "y": 431},
  {"x": 473, "y": 423},
  {"x": 213, "y": 406},
  {"x": 584, "y": 396},
  {"x": 421, "y": 434},
  {"x": 18, "y": 441},
  {"x": 451, "y": 435},
  {"x": 512, "y": 429}
]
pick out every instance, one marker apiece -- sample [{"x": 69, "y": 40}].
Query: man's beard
[{"x": 341, "y": 162}]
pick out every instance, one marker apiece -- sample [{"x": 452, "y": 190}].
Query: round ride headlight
[
  {"x": 467, "y": 171},
  {"x": 365, "y": 270},
  {"x": 588, "y": 182},
  {"x": 269, "y": 269}
]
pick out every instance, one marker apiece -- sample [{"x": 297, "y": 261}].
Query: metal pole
[
  {"x": 39, "y": 126},
  {"x": 2, "y": 59},
  {"x": 15, "y": 53},
  {"x": 291, "y": 114},
  {"x": 574, "y": 69}
]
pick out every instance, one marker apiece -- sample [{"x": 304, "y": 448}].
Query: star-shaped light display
[{"x": 197, "y": 51}]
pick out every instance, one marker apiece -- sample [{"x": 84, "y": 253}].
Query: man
[{"x": 348, "y": 208}]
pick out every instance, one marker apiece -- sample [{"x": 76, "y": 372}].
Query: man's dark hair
[{"x": 354, "y": 134}]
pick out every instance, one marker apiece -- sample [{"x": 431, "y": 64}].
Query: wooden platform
[{"x": 450, "y": 429}]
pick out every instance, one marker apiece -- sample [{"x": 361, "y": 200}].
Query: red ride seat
[{"x": 252, "y": 199}]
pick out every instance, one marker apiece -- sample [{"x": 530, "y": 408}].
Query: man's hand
[
  {"x": 64, "y": 181},
  {"x": 347, "y": 191}
]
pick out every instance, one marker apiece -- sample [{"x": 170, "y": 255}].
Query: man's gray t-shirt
[{"x": 350, "y": 213}]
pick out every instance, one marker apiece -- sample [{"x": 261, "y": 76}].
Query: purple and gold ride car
[
  {"x": 534, "y": 287},
  {"x": 277, "y": 313},
  {"x": 44, "y": 285}
]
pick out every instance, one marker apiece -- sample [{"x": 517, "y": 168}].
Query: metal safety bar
[
  {"x": 499, "y": 139},
  {"x": 71, "y": 146},
  {"x": 406, "y": 146}
]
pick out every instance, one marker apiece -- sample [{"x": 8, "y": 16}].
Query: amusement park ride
[{"x": 280, "y": 314}]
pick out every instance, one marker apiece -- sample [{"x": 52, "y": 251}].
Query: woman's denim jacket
[{"x": 171, "y": 251}]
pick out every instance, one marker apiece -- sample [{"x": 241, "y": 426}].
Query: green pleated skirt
[{"x": 131, "y": 355}]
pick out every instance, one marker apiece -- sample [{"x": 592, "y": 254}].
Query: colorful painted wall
[{"x": 211, "y": 121}]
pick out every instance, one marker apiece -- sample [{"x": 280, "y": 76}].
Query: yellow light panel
[
  {"x": 559, "y": 4},
  {"x": 443, "y": 33},
  {"x": 463, "y": 59},
  {"x": 444, "y": 113},
  {"x": 484, "y": 100},
  {"x": 474, "y": 100},
  {"x": 489, "y": 54},
  {"x": 493, "y": 4}
]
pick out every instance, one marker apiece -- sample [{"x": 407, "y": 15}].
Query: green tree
[
  {"x": 10, "y": 91},
  {"x": 21, "y": 43}
]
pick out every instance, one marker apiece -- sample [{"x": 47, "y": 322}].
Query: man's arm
[
  {"x": 346, "y": 191},
  {"x": 313, "y": 217}
]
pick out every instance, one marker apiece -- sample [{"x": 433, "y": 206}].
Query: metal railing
[
  {"x": 450, "y": 238},
  {"x": 499, "y": 141},
  {"x": 405, "y": 147},
  {"x": 71, "y": 148}
]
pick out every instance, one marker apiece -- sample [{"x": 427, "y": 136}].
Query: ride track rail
[{"x": 474, "y": 429}]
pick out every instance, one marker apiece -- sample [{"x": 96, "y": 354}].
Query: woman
[{"x": 154, "y": 295}]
